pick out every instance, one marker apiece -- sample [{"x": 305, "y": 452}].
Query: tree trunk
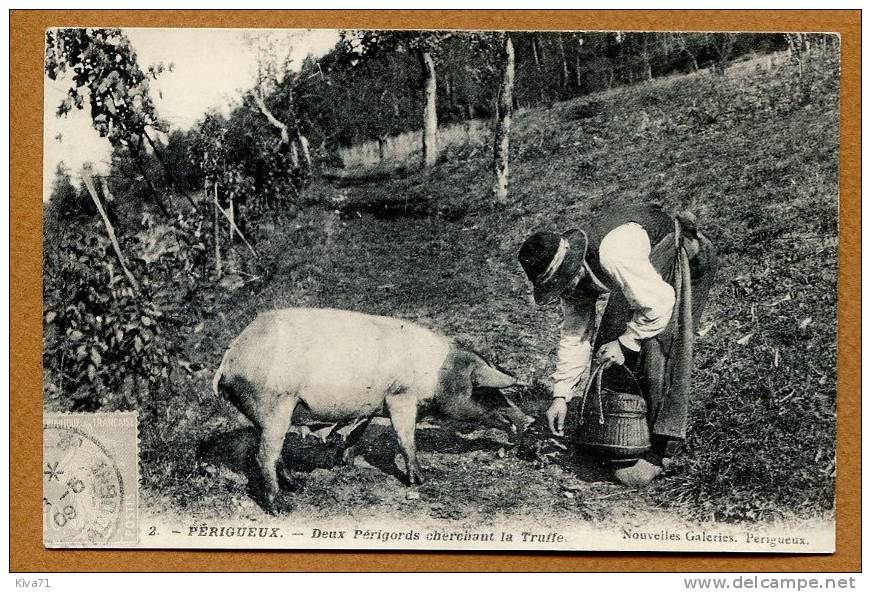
[
  {"x": 134, "y": 154},
  {"x": 537, "y": 59},
  {"x": 89, "y": 183},
  {"x": 168, "y": 172},
  {"x": 562, "y": 53},
  {"x": 104, "y": 185},
  {"x": 683, "y": 45},
  {"x": 108, "y": 199},
  {"x": 232, "y": 217},
  {"x": 503, "y": 125},
  {"x": 279, "y": 125},
  {"x": 217, "y": 234},
  {"x": 285, "y": 131},
  {"x": 151, "y": 188},
  {"x": 578, "y": 71},
  {"x": 303, "y": 147},
  {"x": 300, "y": 139},
  {"x": 430, "y": 119},
  {"x": 722, "y": 44},
  {"x": 800, "y": 48},
  {"x": 645, "y": 56},
  {"x": 294, "y": 155}
]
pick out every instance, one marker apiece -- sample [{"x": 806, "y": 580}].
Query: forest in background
[{"x": 371, "y": 87}]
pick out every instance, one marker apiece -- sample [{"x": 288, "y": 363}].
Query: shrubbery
[
  {"x": 104, "y": 344},
  {"x": 108, "y": 345}
]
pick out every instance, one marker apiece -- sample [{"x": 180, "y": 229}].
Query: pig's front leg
[
  {"x": 285, "y": 477},
  {"x": 349, "y": 444},
  {"x": 403, "y": 415}
]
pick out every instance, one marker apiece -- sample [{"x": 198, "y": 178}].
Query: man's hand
[
  {"x": 610, "y": 354},
  {"x": 556, "y": 415}
]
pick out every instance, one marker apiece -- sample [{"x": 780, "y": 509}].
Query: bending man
[{"x": 657, "y": 270}]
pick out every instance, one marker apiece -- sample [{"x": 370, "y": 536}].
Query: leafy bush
[
  {"x": 246, "y": 162},
  {"x": 104, "y": 344},
  {"x": 107, "y": 345}
]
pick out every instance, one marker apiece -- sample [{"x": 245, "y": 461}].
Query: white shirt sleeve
[
  {"x": 575, "y": 346},
  {"x": 624, "y": 254}
]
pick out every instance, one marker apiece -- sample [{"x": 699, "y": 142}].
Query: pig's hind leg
[
  {"x": 273, "y": 429},
  {"x": 403, "y": 416}
]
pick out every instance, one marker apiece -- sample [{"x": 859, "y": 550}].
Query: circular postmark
[{"x": 83, "y": 492}]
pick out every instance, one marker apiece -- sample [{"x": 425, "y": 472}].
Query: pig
[{"x": 346, "y": 367}]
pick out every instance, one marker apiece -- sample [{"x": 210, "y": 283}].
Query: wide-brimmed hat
[{"x": 551, "y": 261}]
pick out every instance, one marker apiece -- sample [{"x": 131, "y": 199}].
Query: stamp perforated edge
[{"x": 85, "y": 423}]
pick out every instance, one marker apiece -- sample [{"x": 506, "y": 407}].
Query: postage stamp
[{"x": 90, "y": 480}]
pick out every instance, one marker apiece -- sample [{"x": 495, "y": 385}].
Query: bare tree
[
  {"x": 271, "y": 72},
  {"x": 430, "y": 118},
  {"x": 503, "y": 124}
]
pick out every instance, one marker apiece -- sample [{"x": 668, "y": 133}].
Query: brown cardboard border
[{"x": 26, "y": 91}]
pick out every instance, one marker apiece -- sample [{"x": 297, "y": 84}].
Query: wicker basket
[{"x": 612, "y": 425}]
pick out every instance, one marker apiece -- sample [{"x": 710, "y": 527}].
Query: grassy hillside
[{"x": 754, "y": 154}]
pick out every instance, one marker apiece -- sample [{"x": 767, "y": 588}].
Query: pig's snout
[
  {"x": 495, "y": 418},
  {"x": 502, "y": 413},
  {"x": 517, "y": 420},
  {"x": 511, "y": 421}
]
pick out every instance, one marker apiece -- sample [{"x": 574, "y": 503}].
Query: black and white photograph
[{"x": 466, "y": 290}]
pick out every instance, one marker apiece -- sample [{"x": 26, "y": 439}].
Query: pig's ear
[{"x": 485, "y": 375}]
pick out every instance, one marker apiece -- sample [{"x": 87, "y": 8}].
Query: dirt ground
[{"x": 474, "y": 477}]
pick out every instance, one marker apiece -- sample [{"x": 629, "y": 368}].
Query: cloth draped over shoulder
[
  {"x": 666, "y": 360},
  {"x": 668, "y": 357}
]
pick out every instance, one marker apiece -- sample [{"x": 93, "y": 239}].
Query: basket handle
[{"x": 595, "y": 377}]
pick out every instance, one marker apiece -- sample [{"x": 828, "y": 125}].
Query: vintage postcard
[{"x": 448, "y": 290}]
